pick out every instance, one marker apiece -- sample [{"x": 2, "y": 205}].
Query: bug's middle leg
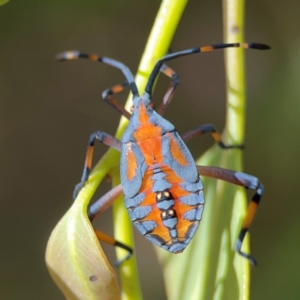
[
  {"x": 170, "y": 92},
  {"x": 98, "y": 208},
  {"x": 107, "y": 97},
  {"x": 107, "y": 94},
  {"x": 104, "y": 138},
  {"x": 208, "y": 128}
]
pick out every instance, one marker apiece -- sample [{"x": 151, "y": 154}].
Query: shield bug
[{"x": 159, "y": 178}]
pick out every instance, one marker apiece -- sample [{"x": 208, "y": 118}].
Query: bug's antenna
[
  {"x": 174, "y": 55},
  {"x": 71, "y": 55}
]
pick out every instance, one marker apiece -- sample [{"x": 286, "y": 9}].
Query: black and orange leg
[
  {"x": 111, "y": 241},
  {"x": 208, "y": 128},
  {"x": 98, "y": 208},
  {"x": 170, "y": 92},
  {"x": 107, "y": 94},
  {"x": 107, "y": 97},
  {"x": 72, "y": 55},
  {"x": 244, "y": 180},
  {"x": 210, "y": 48},
  {"x": 104, "y": 138}
]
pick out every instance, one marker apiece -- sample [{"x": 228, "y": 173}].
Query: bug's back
[{"x": 162, "y": 188}]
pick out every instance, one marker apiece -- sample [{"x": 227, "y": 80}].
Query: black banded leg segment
[
  {"x": 99, "y": 206},
  {"x": 170, "y": 92},
  {"x": 208, "y": 128},
  {"x": 104, "y": 138},
  {"x": 107, "y": 94},
  {"x": 210, "y": 48},
  {"x": 72, "y": 55},
  {"x": 111, "y": 241},
  {"x": 246, "y": 181}
]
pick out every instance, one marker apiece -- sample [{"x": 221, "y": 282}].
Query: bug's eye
[{"x": 152, "y": 105}]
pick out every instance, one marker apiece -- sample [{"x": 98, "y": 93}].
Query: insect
[{"x": 159, "y": 178}]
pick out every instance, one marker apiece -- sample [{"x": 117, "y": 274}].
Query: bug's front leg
[
  {"x": 246, "y": 181},
  {"x": 104, "y": 138}
]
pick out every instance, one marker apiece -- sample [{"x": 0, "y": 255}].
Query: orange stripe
[
  {"x": 131, "y": 162},
  {"x": 206, "y": 48},
  {"x": 216, "y": 137},
  {"x": 148, "y": 137},
  {"x": 118, "y": 88},
  {"x": 250, "y": 215},
  {"x": 245, "y": 45},
  {"x": 89, "y": 157},
  {"x": 168, "y": 72},
  {"x": 105, "y": 238},
  {"x": 93, "y": 57},
  {"x": 176, "y": 152}
]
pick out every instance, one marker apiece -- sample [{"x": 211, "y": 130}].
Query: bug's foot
[{"x": 120, "y": 261}]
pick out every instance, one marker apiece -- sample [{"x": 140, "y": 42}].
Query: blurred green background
[{"x": 48, "y": 111}]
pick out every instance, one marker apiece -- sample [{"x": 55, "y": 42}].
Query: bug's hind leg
[
  {"x": 104, "y": 138},
  {"x": 111, "y": 241},
  {"x": 246, "y": 181},
  {"x": 208, "y": 128}
]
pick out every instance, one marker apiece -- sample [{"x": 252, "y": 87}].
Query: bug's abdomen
[{"x": 167, "y": 210}]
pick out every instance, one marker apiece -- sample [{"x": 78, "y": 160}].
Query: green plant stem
[
  {"x": 209, "y": 268},
  {"x": 233, "y": 16}
]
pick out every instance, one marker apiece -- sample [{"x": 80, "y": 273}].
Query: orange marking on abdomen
[
  {"x": 175, "y": 151},
  {"x": 180, "y": 208},
  {"x": 182, "y": 228},
  {"x": 131, "y": 162}
]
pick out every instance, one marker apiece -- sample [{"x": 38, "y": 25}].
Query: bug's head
[{"x": 142, "y": 102}]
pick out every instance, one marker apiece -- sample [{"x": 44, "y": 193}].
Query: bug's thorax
[
  {"x": 162, "y": 190},
  {"x": 145, "y": 120}
]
